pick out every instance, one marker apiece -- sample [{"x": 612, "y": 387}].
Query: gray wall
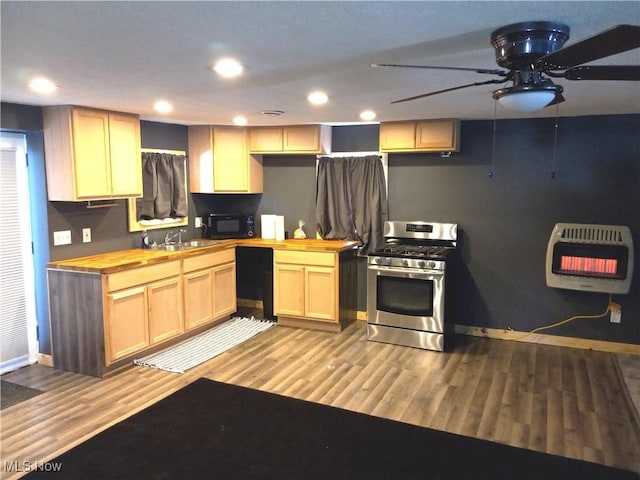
[{"x": 505, "y": 222}]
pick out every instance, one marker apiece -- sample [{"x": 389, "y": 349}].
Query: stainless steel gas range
[{"x": 406, "y": 284}]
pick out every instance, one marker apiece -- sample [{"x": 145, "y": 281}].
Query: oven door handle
[{"x": 406, "y": 271}]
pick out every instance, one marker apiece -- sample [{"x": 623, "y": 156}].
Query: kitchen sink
[
  {"x": 188, "y": 245},
  {"x": 200, "y": 243},
  {"x": 167, "y": 247}
]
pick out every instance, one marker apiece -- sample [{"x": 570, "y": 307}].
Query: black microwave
[{"x": 219, "y": 226}]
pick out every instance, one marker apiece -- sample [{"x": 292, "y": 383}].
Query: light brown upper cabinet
[
  {"x": 220, "y": 162},
  {"x": 441, "y": 135},
  {"x": 91, "y": 154},
  {"x": 305, "y": 139}
]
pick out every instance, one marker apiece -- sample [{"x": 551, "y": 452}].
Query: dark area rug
[
  {"x": 12, "y": 394},
  {"x": 212, "y": 430}
]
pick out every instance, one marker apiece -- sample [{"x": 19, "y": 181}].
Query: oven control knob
[
  {"x": 432, "y": 264},
  {"x": 388, "y": 261},
  {"x": 422, "y": 263},
  {"x": 405, "y": 263}
]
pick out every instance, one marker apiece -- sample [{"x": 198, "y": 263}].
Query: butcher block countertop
[
  {"x": 111, "y": 262},
  {"x": 307, "y": 244}
]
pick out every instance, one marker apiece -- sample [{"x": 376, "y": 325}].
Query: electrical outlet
[
  {"x": 62, "y": 238},
  {"x": 616, "y": 312},
  {"x": 198, "y": 222},
  {"x": 86, "y": 235}
]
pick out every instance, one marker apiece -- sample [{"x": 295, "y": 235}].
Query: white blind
[{"x": 14, "y": 278}]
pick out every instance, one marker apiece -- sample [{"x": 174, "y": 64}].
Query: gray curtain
[
  {"x": 146, "y": 205},
  {"x": 351, "y": 200},
  {"x": 179, "y": 198},
  {"x": 163, "y": 186}
]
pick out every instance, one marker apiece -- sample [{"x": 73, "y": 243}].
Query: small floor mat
[
  {"x": 205, "y": 346},
  {"x": 12, "y": 394}
]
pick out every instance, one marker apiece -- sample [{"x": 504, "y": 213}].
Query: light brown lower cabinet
[
  {"x": 224, "y": 290},
  {"x": 142, "y": 316},
  {"x": 143, "y": 308},
  {"x": 165, "y": 310},
  {"x": 288, "y": 289},
  {"x": 100, "y": 322},
  {"x": 198, "y": 300},
  {"x": 314, "y": 289},
  {"x": 126, "y": 323},
  {"x": 306, "y": 291},
  {"x": 209, "y": 283},
  {"x": 321, "y": 293}
]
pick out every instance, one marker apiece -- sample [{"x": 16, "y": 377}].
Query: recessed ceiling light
[
  {"x": 239, "y": 120},
  {"x": 228, "y": 68},
  {"x": 367, "y": 115},
  {"x": 318, "y": 97},
  {"x": 162, "y": 106},
  {"x": 42, "y": 85}
]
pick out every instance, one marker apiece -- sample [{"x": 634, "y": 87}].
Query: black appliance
[{"x": 220, "y": 226}]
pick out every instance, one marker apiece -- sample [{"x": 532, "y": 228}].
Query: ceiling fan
[{"x": 531, "y": 52}]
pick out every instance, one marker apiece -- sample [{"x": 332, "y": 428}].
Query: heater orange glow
[{"x": 607, "y": 266}]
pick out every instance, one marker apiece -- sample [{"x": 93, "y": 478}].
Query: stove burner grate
[{"x": 414, "y": 251}]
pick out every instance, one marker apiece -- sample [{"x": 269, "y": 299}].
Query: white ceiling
[{"x": 125, "y": 55}]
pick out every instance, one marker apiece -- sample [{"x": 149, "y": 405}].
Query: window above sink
[{"x": 136, "y": 205}]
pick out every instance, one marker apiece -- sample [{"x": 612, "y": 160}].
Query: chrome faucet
[{"x": 171, "y": 236}]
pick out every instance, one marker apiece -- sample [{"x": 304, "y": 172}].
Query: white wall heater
[{"x": 596, "y": 258}]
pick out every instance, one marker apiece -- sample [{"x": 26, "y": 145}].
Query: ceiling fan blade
[
  {"x": 593, "y": 72},
  {"x": 502, "y": 73},
  {"x": 447, "y": 90},
  {"x": 616, "y": 40}
]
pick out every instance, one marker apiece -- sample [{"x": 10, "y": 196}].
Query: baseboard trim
[
  {"x": 512, "y": 335},
  {"x": 310, "y": 324},
  {"x": 558, "y": 341},
  {"x": 250, "y": 303},
  {"x": 46, "y": 360}
]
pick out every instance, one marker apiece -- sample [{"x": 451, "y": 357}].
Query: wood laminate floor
[{"x": 564, "y": 401}]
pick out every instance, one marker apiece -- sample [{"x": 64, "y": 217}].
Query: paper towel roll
[
  {"x": 279, "y": 227},
  {"x": 268, "y": 226}
]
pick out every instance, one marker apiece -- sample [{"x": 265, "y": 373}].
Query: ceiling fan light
[{"x": 526, "y": 101}]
